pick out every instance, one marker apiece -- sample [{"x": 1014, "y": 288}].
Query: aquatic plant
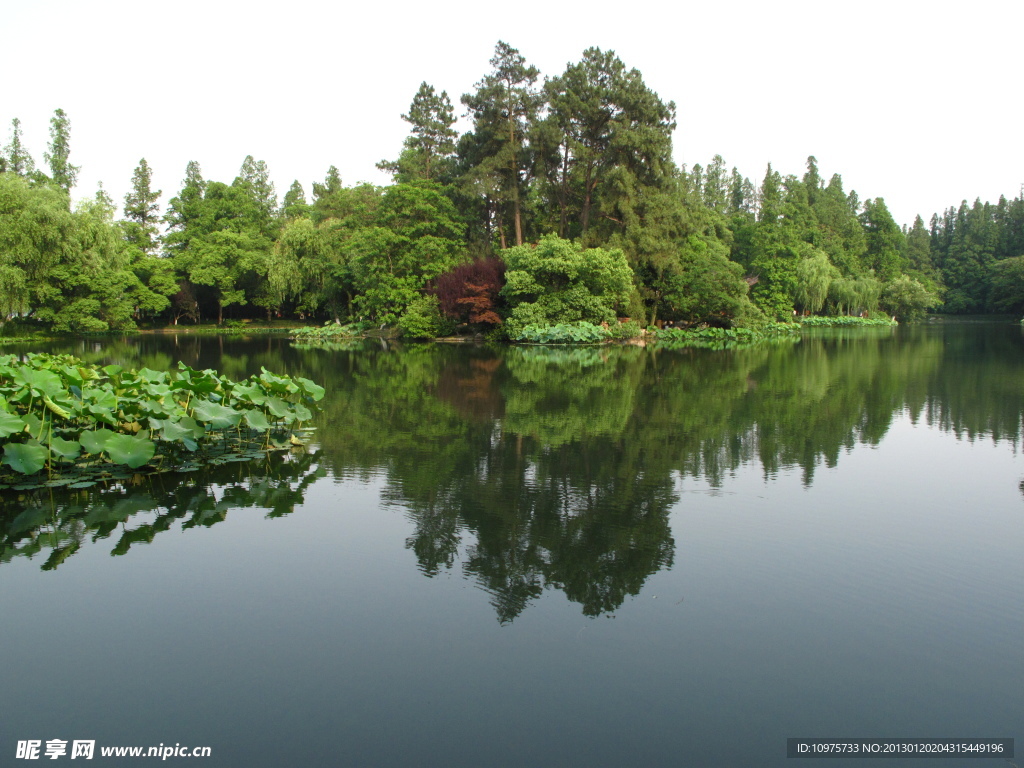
[
  {"x": 725, "y": 338},
  {"x": 580, "y": 332},
  {"x": 64, "y": 422},
  {"x": 816, "y": 321}
]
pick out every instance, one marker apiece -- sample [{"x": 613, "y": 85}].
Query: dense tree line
[{"x": 576, "y": 169}]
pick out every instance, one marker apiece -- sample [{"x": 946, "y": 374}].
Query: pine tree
[
  {"x": 428, "y": 151},
  {"x": 503, "y": 108}
]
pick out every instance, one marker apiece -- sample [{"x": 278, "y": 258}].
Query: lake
[{"x": 596, "y": 556}]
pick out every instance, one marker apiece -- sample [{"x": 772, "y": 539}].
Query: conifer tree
[
  {"x": 428, "y": 151},
  {"x": 16, "y": 157},
  {"x": 63, "y": 173},
  {"x": 141, "y": 211},
  {"x": 503, "y": 108}
]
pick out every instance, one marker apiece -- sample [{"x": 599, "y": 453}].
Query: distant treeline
[{"x": 562, "y": 203}]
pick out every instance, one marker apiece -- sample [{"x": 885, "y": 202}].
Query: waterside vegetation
[{"x": 65, "y": 422}]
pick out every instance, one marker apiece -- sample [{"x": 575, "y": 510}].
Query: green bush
[
  {"x": 422, "y": 319},
  {"x": 627, "y": 330}
]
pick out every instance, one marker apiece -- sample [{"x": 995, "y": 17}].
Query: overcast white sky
[{"x": 917, "y": 102}]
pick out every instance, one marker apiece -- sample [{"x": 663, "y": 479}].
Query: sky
[{"x": 918, "y": 102}]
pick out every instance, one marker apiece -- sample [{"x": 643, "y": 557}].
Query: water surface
[{"x": 574, "y": 557}]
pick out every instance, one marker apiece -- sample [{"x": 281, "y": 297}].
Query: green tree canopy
[{"x": 558, "y": 281}]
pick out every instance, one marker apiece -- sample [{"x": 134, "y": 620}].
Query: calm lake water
[{"x": 547, "y": 557}]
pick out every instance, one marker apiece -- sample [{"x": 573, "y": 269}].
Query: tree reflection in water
[{"x": 532, "y": 468}]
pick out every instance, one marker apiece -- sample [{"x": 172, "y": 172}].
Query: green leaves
[
  {"x": 10, "y": 424},
  {"x": 73, "y": 420},
  {"x": 96, "y": 441},
  {"x": 26, "y": 458},
  {"x": 131, "y": 450}
]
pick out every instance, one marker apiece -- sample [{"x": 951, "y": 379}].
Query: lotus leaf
[
  {"x": 26, "y": 458},
  {"x": 44, "y": 382},
  {"x": 66, "y": 449},
  {"x": 310, "y": 388},
  {"x": 131, "y": 450},
  {"x": 10, "y": 424},
  {"x": 257, "y": 420},
  {"x": 217, "y": 416},
  {"x": 96, "y": 441}
]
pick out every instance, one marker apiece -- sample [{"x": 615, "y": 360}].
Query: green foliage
[
  {"x": 16, "y": 158},
  {"x": 1007, "y": 293},
  {"x": 427, "y": 155},
  {"x": 907, "y": 300},
  {"x": 36, "y": 235},
  {"x": 725, "y": 338},
  {"x": 579, "y": 332},
  {"x": 630, "y": 329},
  {"x": 415, "y": 237},
  {"x": 141, "y": 211},
  {"x": 885, "y": 241},
  {"x": 814, "y": 275},
  {"x": 76, "y": 420},
  {"x": 63, "y": 173},
  {"x": 558, "y": 281},
  {"x": 422, "y": 319},
  {"x": 843, "y": 321},
  {"x": 707, "y": 288},
  {"x": 505, "y": 104}
]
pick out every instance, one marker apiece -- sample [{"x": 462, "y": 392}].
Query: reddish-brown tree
[{"x": 469, "y": 293}]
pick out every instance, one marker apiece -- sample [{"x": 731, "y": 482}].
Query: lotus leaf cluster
[
  {"x": 63, "y": 422},
  {"x": 726, "y": 338}
]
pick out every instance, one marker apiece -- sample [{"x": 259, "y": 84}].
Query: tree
[
  {"x": 36, "y": 235},
  {"x": 919, "y": 251},
  {"x": 142, "y": 211},
  {"x": 294, "y": 204},
  {"x": 907, "y": 300},
  {"x": 470, "y": 292},
  {"x": 814, "y": 275},
  {"x": 839, "y": 232},
  {"x": 707, "y": 288},
  {"x": 227, "y": 251},
  {"x": 885, "y": 242},
  {"x": 557, "y": 281},
  {"x": 1007, "y": 294},
  {"x": 184, "y": 212},
  {"x": 415, "y": 237},
  {"x": 254, "y": 179},
  {"x": 428, "y": 151},
  {"x": 503, "y": 107},
  {"x": 16, "y": 157},
  {"x": 64, "y": 174}
]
